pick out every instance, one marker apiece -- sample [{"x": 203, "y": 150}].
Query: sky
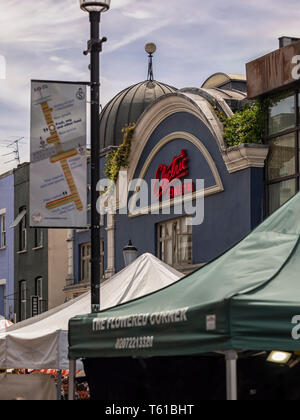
[{"x": 45, "y": 39}]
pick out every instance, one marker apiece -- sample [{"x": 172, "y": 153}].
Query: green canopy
[{"x": 244, "y": 300}]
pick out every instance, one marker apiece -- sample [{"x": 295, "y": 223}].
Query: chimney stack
[{"x": 287, "y": 40}]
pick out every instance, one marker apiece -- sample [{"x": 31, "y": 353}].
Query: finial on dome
[{"x": 150, "y": 49}]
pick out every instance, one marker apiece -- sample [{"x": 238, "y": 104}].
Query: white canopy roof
[{"x": 42, "y": 342}]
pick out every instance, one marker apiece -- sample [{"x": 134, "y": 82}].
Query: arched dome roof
[
  {"x": 226, "y": 80},
  {"x": 126, "y": 108}
]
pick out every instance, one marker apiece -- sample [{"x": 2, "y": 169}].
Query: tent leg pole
[
  {"x": 231, "y": 375},
  {"x": 59, "y": 385},
  {"x": 72, "y": 380}
]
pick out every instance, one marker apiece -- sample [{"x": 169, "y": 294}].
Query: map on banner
[{"x": 58, "y": 169}]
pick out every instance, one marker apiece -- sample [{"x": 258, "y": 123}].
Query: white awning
[
  {"x": 19, "y": 218},
  {"x": 42, "y": 342}
]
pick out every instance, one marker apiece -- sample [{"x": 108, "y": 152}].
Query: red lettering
[
  {"x": 164, "y": 176},
  {"x": 180, "y": 190}
]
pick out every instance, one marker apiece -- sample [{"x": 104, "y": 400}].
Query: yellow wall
[{"x": 58, "y": 266}]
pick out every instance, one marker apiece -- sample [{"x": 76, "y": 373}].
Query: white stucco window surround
[
  {"x": 21, "y": 222},
  {"x": 19, "y": 218}
]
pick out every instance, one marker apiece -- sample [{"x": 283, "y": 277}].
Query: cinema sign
[
  {"x": 166, "y": 176},
  {"x": 178, "y": 169}
]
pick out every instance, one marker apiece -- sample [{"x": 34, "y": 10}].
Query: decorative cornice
[
  {"x": 245, "y": 156},
  {"x": 76, "y": 287}
]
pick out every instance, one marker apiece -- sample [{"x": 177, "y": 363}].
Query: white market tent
[
  {"x": 42, "y": 342},
  {"x": 4, "y": 323}
]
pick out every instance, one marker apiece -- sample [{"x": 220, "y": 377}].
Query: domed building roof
[
  {"x": 226, "y": 81},
  {"x": 126, "y": 108}
]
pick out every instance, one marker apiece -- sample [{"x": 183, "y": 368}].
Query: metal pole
[
  {"x": 231, "y": 375},
  {"x": 95, "y": 161},
  {"x": 58, "y": 384},
  {"x": 72, "y": 374}
]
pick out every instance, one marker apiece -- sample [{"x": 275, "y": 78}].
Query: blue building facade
[
  {"x": 7, "y": 246},
  {"x": 233, "y": 202},
  {"x": 178, "y": 136},
  {"x": 183, "y": 126}
]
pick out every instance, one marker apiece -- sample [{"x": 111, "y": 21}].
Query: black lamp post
[
  {"x": 95, "y": 8},
  {"x": 130, "y": 254}
]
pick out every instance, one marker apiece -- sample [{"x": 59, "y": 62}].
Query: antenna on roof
[
  {"x": 16, "y": 145},
  {"x": 150, "y": 49}
]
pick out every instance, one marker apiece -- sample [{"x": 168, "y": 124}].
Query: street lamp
[
  {"x": 95, "y": 8},
  {"x": 130, "y": 254}
]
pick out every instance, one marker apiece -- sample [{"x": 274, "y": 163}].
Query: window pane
[
  {"x": 185, "y": 226},
  {"x": 161, "y": 231},
  {"x": 176, "y": 249},
  {"x": 23, "y": 311},
  {"x": 280, "y": 193},
  {"x": 3, "y": 231},
  {"x": 185, "y": 249},
  {"x": 38, "y": 238},
  {"x": 169, "y": 228},
  {"x": 168, "y": 252},
  {"x": 161, "y": 251},
  {"x": 282, "y": 115},
  {"x": 282, "y": 160},
  {"x": 39, "y": 288},
  {"x": 162, "y": 255},
  {"x": 23, "y": 301}
]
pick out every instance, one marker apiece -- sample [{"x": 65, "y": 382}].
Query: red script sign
[{"x": 178, "y": 169}]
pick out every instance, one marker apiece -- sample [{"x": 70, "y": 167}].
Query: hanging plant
[{"x": 119, "y": 158}]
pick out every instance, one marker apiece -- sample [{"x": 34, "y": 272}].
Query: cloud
[
  {"x": 44, "y": 39},
  {"x": 38, "y": 22},
  {"x": 67, "y": 68},
  {"x": 139, "y": 14},
  {"x": 121, "y": 4}
]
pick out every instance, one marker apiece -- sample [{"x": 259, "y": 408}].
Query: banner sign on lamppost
[{"x": 58, "y": 169}]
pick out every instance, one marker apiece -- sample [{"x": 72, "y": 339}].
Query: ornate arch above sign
[
  {"x": 164, "y": 108},
  {"x": 177, "y": 169}
]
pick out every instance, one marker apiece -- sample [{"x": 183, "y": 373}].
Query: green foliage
[
  {"x": 118, "y": 158},
  {"x": 246, "y": 126}
]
